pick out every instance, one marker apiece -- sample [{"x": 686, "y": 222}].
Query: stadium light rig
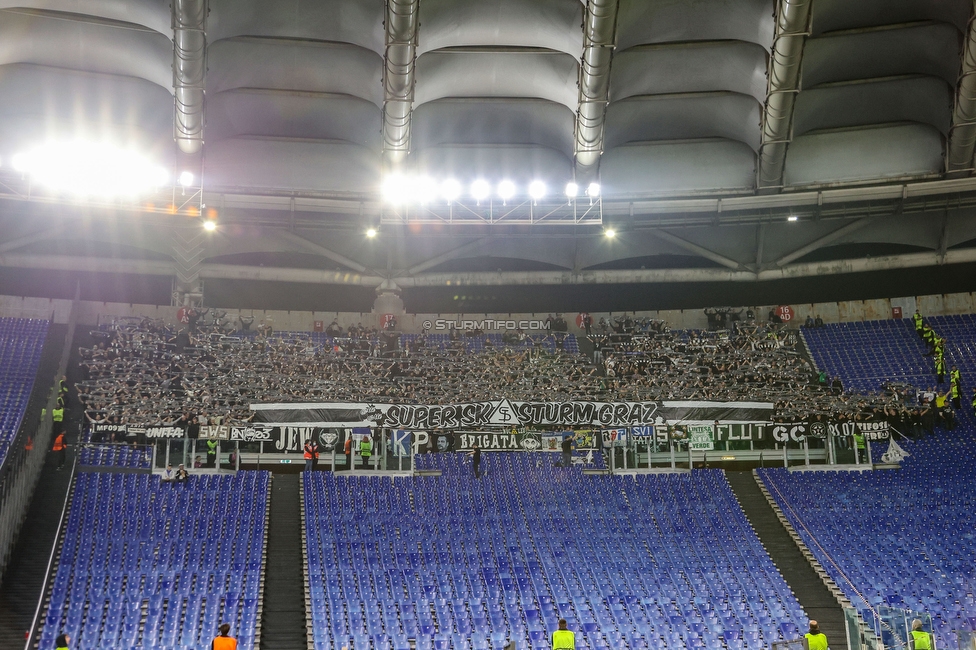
[
  {"x": 413, "y": 198},
  {"x": 371, "y": 232},
  {"x": 402, "y": 189},
  {"x": 85, "y": 169},
  {"x": 209, "y": 225}
]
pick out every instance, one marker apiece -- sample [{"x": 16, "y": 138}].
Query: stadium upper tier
[
  {"x": 458, "y": 562},
  {"x": 143, "y": 374},
  {"x": 145, "y": 564},
  {"x": 21, "y": 342},
  {"x": 901, "y": 538}
]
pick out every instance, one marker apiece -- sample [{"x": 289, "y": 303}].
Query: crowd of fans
[
  {"x": 750, "y": 360},
  {"x": 141, "y": 372}
]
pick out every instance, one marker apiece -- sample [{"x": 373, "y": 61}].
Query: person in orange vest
[
  {"x": 59, "y": 450},
  {"x": 311, "y": 453},
  {"x": 348, "y": 450},
  {"x": 224, "y": 641}
]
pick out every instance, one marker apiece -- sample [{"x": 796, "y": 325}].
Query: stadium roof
[{"x": 749, "y": 138}]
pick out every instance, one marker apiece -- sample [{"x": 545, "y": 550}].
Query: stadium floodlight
[
  {"x": 19, "y": 162},
  {"x": 537, "y": 190},
  {"x": 209, "y": 225},
  {"x": 593, "y": 190},
  {"x": 90, "y": 169},
  {"x": 480, "y": 189},
  {"x": 426, "y": 189},
  {"x": 186, "y": 178},
  {"x": 396, "y": 188},
  {"x": 572, "y": 190},
  {"x": 792, "y": 217},
  {"x": 506, "y": 190},
  {"x": 371, "y": 232},
  {"x": 450, "y": 190},
  {"x": 610, "y": 233}
]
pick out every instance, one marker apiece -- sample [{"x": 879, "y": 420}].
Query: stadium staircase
[
  {"x": 23, "y": 582},
  {"x": 283, "y": 619},
  {"x": 817, "y": 600}
]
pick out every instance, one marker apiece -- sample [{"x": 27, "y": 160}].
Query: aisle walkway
[
  {"x": 283, "y": 620},
  {"x": 810, "y": 590}
]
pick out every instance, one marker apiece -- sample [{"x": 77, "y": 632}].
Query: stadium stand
[
  {"x": 123, "y": 456},
  {"x": 651, "y": 561},
  {"x": 148, "y": 565},
  {"x": 899, "y": 538},
  {"x": 142, "y": 373},
  {"x": 869, "y": 353},
  {"x": 21, "y": 343}
]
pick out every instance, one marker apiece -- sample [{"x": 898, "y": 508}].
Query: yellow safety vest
[
  {"x": 365, "y": 449},
  {"x": 57, "y": 415},
  {"x": 816, "y": 641},
  {"x": 918, "y": 321},
  {"x": 922, "y": 640},
  {"x": 563, "y": 639}
]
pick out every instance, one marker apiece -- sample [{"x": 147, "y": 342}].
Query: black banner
[
  {"x": 157, "y": 432},
  {"x": 101, "y": 432},
  {"x": 875, "y": 431},
  {"x": 285, "y": 438},
  {"x": 507, "y": 413}
]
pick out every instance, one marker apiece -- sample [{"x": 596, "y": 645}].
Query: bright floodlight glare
[
  {"x": 792, "y": 217},
  {"x": 371, "y": 232},
  {"x": 572, "y": 190},
  {"x": 19, "y": 162},
  {"x": 210, "y": 225},
  {"x": 426, "y": 189},
  {"x": 450, "y": 189},
  {"x": 186, "y": 179},
  {"x": 537, "y": 190},
  {"x": 396, "y": 188},
  {"x": 95, "y": 169},
  {"x": 610, "y": 232},
  {"x": 593, "y": 189},
  {"x": 480, "y": 189},
  {"x": 506, "y": 190}
]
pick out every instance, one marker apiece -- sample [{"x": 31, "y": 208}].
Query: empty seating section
[
  {"x": 904, "y": 538},
  {"x": 864, "y": 355},
  {"x": 21, "y": 342},
  {"x": 95, "y": 455},
  {"x": 151, "y": 565},
  {"x": 456, "y": 562}
]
